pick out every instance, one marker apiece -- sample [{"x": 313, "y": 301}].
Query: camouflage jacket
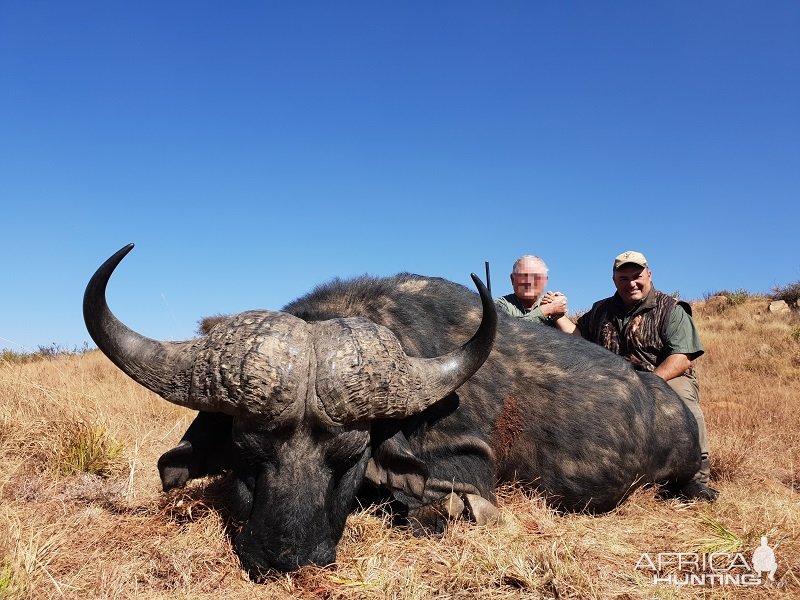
[{"x": 653, "y": 330}]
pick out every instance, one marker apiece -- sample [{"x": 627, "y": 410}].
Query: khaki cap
[{"x": 632, "y": 257}]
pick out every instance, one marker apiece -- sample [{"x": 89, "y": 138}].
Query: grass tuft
[
  {"x": 720, "y": 538},
  {"x": 6, "y": 579},
  {"x": 206, "y": 324},
  {"x": 87, "y": 448}
]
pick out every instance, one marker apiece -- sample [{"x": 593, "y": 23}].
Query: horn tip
[
  {"x": 122, "y": 253},
  {"x": 477, "y": 281}
]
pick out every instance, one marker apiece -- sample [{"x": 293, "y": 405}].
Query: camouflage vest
[{"x": 641, "y": 339}]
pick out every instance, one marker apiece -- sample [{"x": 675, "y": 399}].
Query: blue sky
[{"x": 252, "y": 150}]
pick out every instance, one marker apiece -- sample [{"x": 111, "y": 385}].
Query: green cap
[{"x": 632, "y": 257}]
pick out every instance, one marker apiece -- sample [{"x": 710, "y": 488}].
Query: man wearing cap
[
  {"x": 653, "y": 331},
  {"x": 528, "y": 279}
]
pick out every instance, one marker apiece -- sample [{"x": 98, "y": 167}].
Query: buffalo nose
[
  {"x": 258, "y": 561},
  {"x": 323, "y": 555}
]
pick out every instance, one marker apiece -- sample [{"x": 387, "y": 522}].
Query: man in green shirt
[
  {"x": 653, "y": 331},
  {"x": 529, "y": 302}
]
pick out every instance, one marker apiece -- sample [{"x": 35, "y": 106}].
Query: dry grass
[{"x": 71, "y": 530}]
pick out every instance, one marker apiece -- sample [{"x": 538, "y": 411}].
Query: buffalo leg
[{"x": 203, "y": 450}]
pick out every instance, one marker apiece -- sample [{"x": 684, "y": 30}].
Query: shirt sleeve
[
  {"x": 681, "y": 334},
  {"x": 503, "y": 305},
  {"x": 536, "y": 316}
]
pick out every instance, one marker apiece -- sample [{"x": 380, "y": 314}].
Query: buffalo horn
[
  {"x": 162, "y": 367},
  {"x": 375, "y": 379},
  {"x": 441, "y": 376}
]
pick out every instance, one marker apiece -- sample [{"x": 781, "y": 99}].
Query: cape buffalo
[{"x": 365, "y": 382}]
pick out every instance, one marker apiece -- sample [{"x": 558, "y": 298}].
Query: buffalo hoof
[
  {"x": 480, "y": 510},
  {"x": 694, "y": 490},
  {"x": 433, "y": 518},
  {"x": 453, "y": 506}
]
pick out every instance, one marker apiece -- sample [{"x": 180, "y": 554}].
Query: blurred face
[
  {"x": 633, "y": 283},
  {"x": 529, "y": 282}
]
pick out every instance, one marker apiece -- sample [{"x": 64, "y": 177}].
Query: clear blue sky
[{"x": 252, "y": 150}]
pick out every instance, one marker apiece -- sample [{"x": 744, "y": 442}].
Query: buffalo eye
[{"x": 343, "y": 452}]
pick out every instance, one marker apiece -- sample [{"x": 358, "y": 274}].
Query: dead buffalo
[{"x": 366, "y": 382}]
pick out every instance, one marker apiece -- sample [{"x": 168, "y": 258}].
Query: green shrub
[
  {"x": 87, "y": 449},
  {"x": 788, "y": 293},
  {"x": 796, "y": 334},
  {"x": 738, "y": 297}
]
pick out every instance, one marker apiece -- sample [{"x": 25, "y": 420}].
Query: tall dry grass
[{"x": 103, "y": 529}]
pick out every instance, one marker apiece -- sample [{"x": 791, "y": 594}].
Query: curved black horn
[
  {"x": 164, "y": 368},
  {"x": 443, "y": 375}
]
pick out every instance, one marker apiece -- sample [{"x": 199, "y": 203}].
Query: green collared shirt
[{"x": 511, "y": 305}]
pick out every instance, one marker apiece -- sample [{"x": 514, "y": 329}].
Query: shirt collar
[{"x": 644, "y": 304}]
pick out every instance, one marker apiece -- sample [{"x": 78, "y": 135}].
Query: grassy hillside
[{"x": 82, "y": 514}]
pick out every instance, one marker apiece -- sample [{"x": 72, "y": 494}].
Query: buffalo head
[{"x": 290, "y": 404}]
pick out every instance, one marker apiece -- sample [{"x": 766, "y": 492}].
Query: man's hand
[{"x": 554, "y": 305}]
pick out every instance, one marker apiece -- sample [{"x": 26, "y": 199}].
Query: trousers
[{"x": 689, "y": 390}]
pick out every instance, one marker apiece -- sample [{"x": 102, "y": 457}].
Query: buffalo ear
[
  {"x": 393, "y": 466},
  {"x": 205, "y": 449}
]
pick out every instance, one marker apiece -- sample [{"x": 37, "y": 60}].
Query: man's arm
[
  {"x": 567, "y": 326},
  {"x": 673, "y": 366},
  {"x": 682, "y": 342},
  {"x": 554, "y": 306}
]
